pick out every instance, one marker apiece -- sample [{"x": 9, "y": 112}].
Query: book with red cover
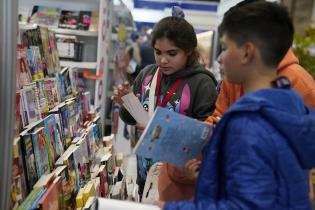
[{"x": 50, "y": 200}]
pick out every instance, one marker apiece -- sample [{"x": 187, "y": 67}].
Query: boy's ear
[{"x": 248, "y": 52}]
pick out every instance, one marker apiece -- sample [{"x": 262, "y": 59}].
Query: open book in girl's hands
[
  {"x": 134, "y": 107},
  {"x": 173, "y": 138}
]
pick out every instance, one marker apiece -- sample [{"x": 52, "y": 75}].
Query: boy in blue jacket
[{"x": 264, "y": 145}]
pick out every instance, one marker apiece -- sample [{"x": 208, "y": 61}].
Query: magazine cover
[{"x": 173, "y": 138}]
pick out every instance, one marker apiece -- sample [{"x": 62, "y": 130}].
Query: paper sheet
[{"x": 134, "y": 107}]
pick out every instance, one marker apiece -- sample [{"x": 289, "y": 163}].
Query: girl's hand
[
  {"x": 120, "y": 91},
  {"x": 191, "y": 169},
  {"x": 140, "y": 127}
]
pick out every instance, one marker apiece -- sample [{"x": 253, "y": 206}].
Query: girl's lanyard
[{"x": 155, "y": 90}]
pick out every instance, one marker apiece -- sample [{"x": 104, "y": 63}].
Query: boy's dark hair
[
  {"x": 181, "y": 33},
  {"x": 266, "y": 24}
]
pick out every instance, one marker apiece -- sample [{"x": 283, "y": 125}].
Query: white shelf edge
[
  {"x": 73, "y": 64},
  {"x": 61, "y": 30}
]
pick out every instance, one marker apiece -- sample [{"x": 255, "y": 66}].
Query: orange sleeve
[
  {"x": 228, "y": 95},
  {"x": 302, "y": 82}
]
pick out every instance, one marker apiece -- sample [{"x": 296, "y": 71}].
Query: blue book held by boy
[{"x": 173, "y": 138}]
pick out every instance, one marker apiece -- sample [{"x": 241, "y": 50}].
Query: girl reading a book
[{"x": 177, "y": 82}]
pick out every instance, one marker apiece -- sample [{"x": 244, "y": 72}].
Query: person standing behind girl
[{"x": 177, "y": 82}]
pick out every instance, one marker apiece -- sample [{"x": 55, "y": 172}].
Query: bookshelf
[
  {"x": 80, "y": 65},
  {"x": 60, "y": 133},
  {"x": 61, "y": 30}
]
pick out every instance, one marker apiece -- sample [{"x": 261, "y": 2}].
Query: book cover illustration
[
  {"x": 28, "y": 160},
  {"x": 52, "y": 139},
  {"x": 35, "y": 62},
  {"x": 45, "y": 16},
  {"x": 41, "y": 152},
  {"x": 173, "y": 138},
  {"x": 69, "y": 19}
]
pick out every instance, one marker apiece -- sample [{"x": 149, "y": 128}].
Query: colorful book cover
[
  {"x": 173, "y": 138},
  {"x": 41, "y": 193},
  {"x": 73, "y": 173},
  {"x": 27, "y": 203},
  {"x": 62, "y": 171},
  {"x": 31, "y": 105},
  {"x": 41, "y": 97},
  {"x": 23, "y": 72},
  {"x": 69, "y": 19},
  {"x": 41, "y": 152},
  {"x": 64, "y": 119},
  {"x": 28, "y": 160},
  {"x": 49, "y": 201},
  {"x": 35, "y": 62},
  {"x": 84, "y": 20},
  {"x": 52, "y": 138},
  {"x": 52, "y": 93},
  {"x": 45, "y": 16},
  {"x": 82, "y": 161}
]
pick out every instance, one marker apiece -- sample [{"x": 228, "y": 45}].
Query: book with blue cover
[
  {"x": 40, "y": 152},
  {"x": 173, "y": 138}
]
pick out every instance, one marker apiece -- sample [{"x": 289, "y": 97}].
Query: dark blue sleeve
[{"x": 248, "y": 170}]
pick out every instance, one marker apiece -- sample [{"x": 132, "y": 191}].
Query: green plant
[{"x": 302, "y": 48}]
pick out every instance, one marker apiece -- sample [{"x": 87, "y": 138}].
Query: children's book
[
  {"x": 173, "y": 138},
  {"x": 41, "y": 152}
]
